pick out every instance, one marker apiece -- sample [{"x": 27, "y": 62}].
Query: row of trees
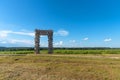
[{"x": 56, "y": 48}]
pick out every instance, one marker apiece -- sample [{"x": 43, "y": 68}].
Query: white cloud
[
  {"x": 15, "y": 41},
  {"x": 23, "y": 33},
  {"x": 85, "y": 39},
  {"x": 107, "y": 40},
  {"x": 62, "y": 33},
  {"x": 60, "y": 43},
  {"x": 3, "y": 42},
  {"x": 20, "y": 42},
  {"x": 5, "y": 33},
  {"x": 72, "y": 41}
]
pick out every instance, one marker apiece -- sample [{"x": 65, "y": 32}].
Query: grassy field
[
  {"x": 67, "y": 51},
  {"x": 60, "y": 67},
  {"x": 109, "y": 51}
]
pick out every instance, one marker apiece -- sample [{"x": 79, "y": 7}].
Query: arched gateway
[{"x": 38, "y": 33}]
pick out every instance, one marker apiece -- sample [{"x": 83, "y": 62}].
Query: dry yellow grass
[{"x": 59, "y": 67}]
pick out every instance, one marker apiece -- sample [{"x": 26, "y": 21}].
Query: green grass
[
  {"x": 87, "y": 51},
  {"x": 111, "y": 51},
  {"x": 60, "y": 67},
  {"x": 16, "y": 52}
]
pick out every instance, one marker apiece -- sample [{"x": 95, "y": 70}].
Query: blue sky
[{"x": 76, "y": 23}]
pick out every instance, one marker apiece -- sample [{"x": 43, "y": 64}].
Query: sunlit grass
[
  {"x": 65, "y": 51},
  {"x": 60, "y": 67}
]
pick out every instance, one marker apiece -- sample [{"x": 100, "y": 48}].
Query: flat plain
[{"x": 60, "y": 67}]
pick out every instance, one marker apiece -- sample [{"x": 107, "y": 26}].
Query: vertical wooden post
[
  {"x": 50, "y": 42},
  {"x": 37, "y": 42}
]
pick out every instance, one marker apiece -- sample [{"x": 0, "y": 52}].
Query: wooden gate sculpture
[{"x": 38, "y": 33}]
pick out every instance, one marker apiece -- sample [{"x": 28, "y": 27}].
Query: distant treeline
[
  {"x": 16, "y": 48},
  {"x": 55, "y": 48}
]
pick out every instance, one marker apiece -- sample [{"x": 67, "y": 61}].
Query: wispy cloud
[
  {"x": 5, "y": 33},
  {"x": 85, "y": 39},
  {"x": 23, "y": 33},
  {"x": 72, "y": 41},
  {"x": 62, "y": 33},
  {"x": 60, "y": 43},
  {"x": 107, "y": 40},
  {"x": 19, "y": 42},
  {"x": 24, "y": 41},
  {"x": 3, "y": 42}
]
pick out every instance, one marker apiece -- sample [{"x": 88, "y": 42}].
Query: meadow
[
  {"x": 65, "y": 51},
  {"x": 62, "y": 65}
]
